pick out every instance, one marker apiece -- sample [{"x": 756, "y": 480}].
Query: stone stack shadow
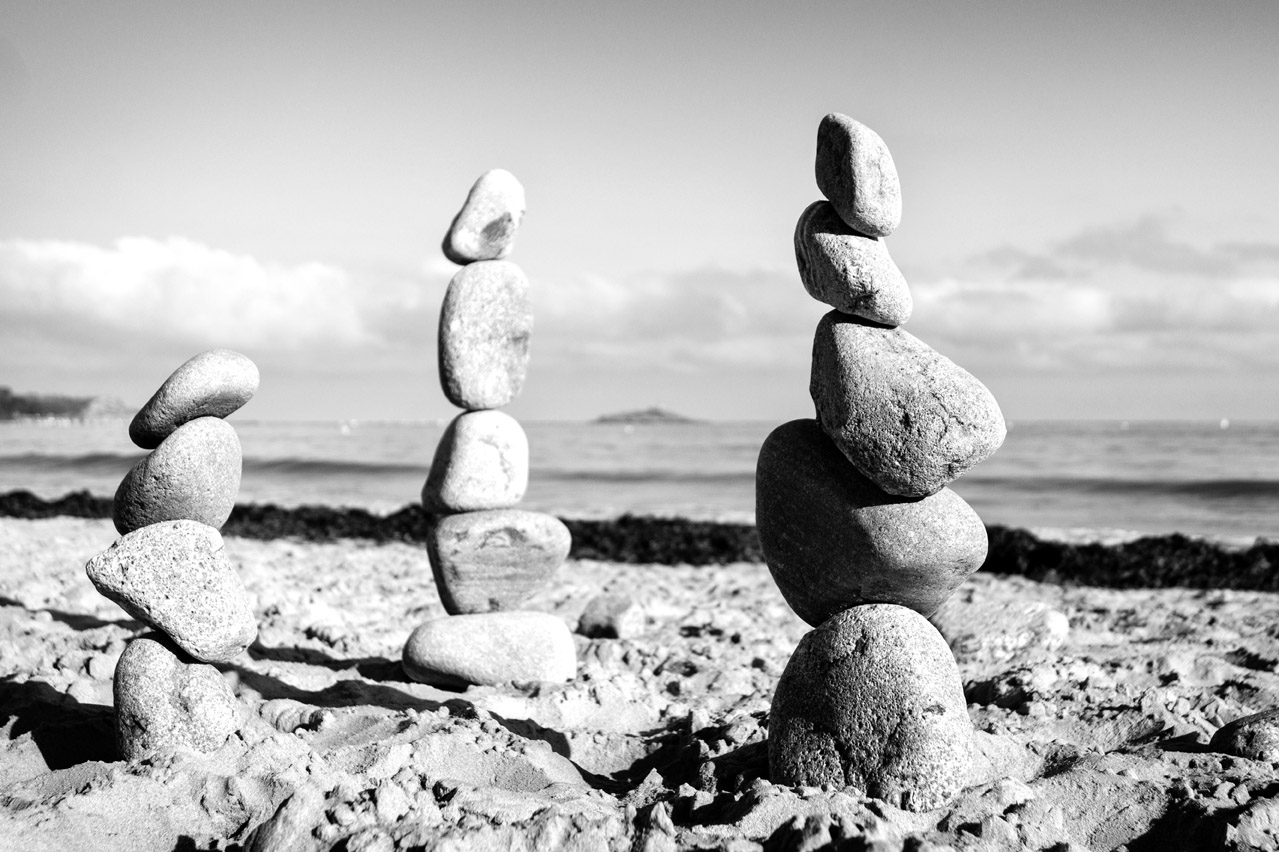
[
  {"x": 487, "y": 556},
  {"x": 858, "y": 528},
  {"x": 169, "y": 569}
]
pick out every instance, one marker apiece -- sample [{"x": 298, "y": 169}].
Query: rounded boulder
[
  {"x": 491, "y": 648},
  {"x": 872, "y": 700},
  {"x": 833, "y": 539},
  {"x": 849, "y": 271},
  {"x": 481, "y": 462},
  {"x": 166, "y": 702},
  {"x": 857, "y": 175},
  {"x": 486, "y": 324},
  {"x": 212, "y": 384},
  {"x": 175, "y": 576},
  {"x": 484, "y": 229},
  {"x": 910, "y": 419},
  {"x": 494, "y": 560},
  {"x": 193, "y": 475}
]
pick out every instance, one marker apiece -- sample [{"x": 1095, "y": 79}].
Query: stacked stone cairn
[
  {"x": 858, "y": 528},
  {"x": 487, "y": 556},
  {"x": 169, "y": 569}
]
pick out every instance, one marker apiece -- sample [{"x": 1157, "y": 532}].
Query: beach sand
[{"x": 1098, "y": 743}]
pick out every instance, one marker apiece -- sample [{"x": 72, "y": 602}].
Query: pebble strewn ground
[{"x": 1099, "y": 743}]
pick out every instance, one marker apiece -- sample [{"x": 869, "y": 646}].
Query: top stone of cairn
[
  {"x": 212, "y": 384},
  {"x": 856, "y": 174},
  {"x": 484, "y": 229}
]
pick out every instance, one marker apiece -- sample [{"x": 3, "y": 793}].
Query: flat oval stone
[
  {"x": 872, "y": 700},
  {"x": 486, "y": 323},
  {"x": 480, "y": 463},
  {"x": 906, "y": 416},
  {"x": 856, "y": 174},
  {"x": 164, "y": 701},
  {"x": 484, "y": 229},
  {"x": 849, "y": 271},
  {"x": 212, "y": 384},
  {"x": 1254, "y": 737},
  {"x": 176, "y": 577},
  {"x": 833, "y": 539},
  {"x": 491, "y": 648},
  {"x": 194, "y": 474},
  {"x": 494, "y": 560}
]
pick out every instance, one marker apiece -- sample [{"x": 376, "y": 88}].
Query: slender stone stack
[
  {"x": 487, "y": 556},
  {"x": 858, "y": 528},
  {"x": 170, "y": 571}
]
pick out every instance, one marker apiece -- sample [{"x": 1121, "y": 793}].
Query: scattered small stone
[
  {"x": 484, "y": 229},
  {"x": 194, "y": 474},
  {"x": 611, "y": 617},
  {"x": 494, "y": 560},
  {"x": 851, "y": 272},
  {"x": 292, "y": 828},
  {"x": 165, "y": 701},
  {"x": 856, "y": 174},
  {"x": 175, "y": 576},
  {"x": 833, "y": 539},
  {"x": 907, "y": 417},
  {"x": 1000, "y": 631},
  {"x": 480, "y": 463},
  {"x": 212, "y": 384},
  {"x": 486, "y": 323},
  {"x": 1254, "y": 737},
  {"x": 491, "y": 648},
  {"x": 872, "y": 700}
]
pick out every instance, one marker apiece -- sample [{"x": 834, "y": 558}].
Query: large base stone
[
  {"x": 165, "y": 701},
  {"x": 872, "y": 700}
]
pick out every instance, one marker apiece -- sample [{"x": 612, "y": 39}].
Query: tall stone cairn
[
  {"x": 487, "y": 556},
  {"x": 858, "y": 528},
  {"x": 169, "y": 570}
]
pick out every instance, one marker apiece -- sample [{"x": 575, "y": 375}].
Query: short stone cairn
[
  {"x": 858, "y": 528},
  {"x": 169, "y": 569},
  {"x": 487, "y": 556}
]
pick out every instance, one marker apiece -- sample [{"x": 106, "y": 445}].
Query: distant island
[
  {"x": 30, "y": 406},
  {"x": 647, "y": 415}
]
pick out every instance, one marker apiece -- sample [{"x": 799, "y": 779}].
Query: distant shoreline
[{"x": 1148, "y": 562}]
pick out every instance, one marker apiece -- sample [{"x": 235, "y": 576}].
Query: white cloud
[{"x": 180, "y": 290}]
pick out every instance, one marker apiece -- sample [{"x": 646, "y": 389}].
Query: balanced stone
[
  {"x": 833, "y": 539},
  {"x": 164, "y": 701},
  {"x": 1254, "y": 737},
  {"x": 847, "y": 270},
  {"x": 856, "y": 174},
  {"x": 491, "y": 648},
  {"x": 485, "y": 326},
  {"x": 907, "y": 417},
  {"x": 480, "y": 463},
  {"x": 176, "y": 577},
  {"x": 484, "y": 229},
  {"x": 494, "y": 560},
  {"x": 212, "y": 384},
  {"x": 872, "y": 700},
  {"x": 194, "y": 474}
]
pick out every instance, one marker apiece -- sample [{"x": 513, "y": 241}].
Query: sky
[{"x": 1090, "y": 196}]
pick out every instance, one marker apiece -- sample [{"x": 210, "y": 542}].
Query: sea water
[{"x": 1203, "y": 478}]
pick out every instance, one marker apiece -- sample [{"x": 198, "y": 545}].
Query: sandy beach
[{"x": 1089, "y": 738}]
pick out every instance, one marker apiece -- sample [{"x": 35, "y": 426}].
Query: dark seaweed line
[{"x": 1153, "y": 562}]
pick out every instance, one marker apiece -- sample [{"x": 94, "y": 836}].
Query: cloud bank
[{"x": 1133, "y": 298}]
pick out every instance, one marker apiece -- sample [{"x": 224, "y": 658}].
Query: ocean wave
[{"x": 1208, "y": 489}]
